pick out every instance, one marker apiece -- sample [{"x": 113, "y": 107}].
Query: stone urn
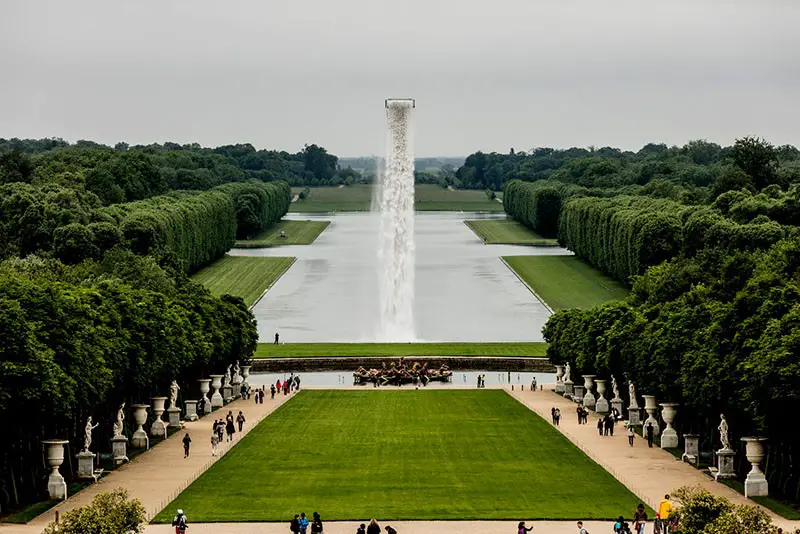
[
  {"x": 216, "y": 396},
  {"x": 158, "y": 428},
  {"x": 559, "y": 382},
  {"x": 246, "y": 375},
  {"x": 588, "y": 398},
  {"x": 755, "y": 485},
  {"x": 669, "y": 437},
  {"x": 650, "y": 406},
  {"x": 601, "y": 406},
  {"x": 140, "y": 440},
  {"x": 56, "y": 485},
  {"x": 205, "y": 387}
]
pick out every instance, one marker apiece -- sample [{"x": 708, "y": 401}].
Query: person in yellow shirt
[{"x": 665, "y": 508}]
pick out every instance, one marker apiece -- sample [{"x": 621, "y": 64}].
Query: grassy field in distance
[
  {"x": 297, "y": 233},
  {"x": 566, "y": 281},
  {"x": 507, "y": 232},
  {"x": 301, "y": 350},
  {"x": 246, "y": 277}
]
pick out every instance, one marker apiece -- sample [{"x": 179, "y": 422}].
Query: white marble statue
[
  {"x": 236, "y": 370},
  {"x": 723, "y": 433},
  {"x": 632, "y": 395},
  {"x": 118, "y": 422},
  {"x": 173, "y": 394},
  {"x": 567, "y": 373},
  {"x": 87, "y": 434},
  {"x": 614, "y": 387},
  {"x": 226, "y": 380}
]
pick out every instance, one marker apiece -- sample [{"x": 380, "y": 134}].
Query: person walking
[
  {"x": 316, "y": 524},
  {"x": 179, "y": 522},
  {"x": 600, "y": 426},
  {"x": 558, "y": 416},
  {"x": 553, "y": 414},
  {"x": 276, "y": 338},
  {"x": 362, "y": 529},
  {"x": 220, "y": 430},
  {"x": 374, "y": 527},
  {"x": 630, "y": 435},
  {"x": 582, "y": 530},
  {"x": 240, "y": 420},
  {"x": 186, "y": 441},
  {"x": 214, "y": 443},
  {"x": 230, "y": 429},
  {"x": 294, "y": 526},
  {"x": 639, "y": 519},
  {"x": 272, "y": 391},
  {"x": 303, "y": 523},
  {"x": 579, "y": 411},
  {"x": 665, "y": 509},
  {"x": 521, "y": 528},
  {"x": 650, "y": 432}
]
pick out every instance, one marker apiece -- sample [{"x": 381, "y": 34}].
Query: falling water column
[{"x": 396, "y": 247}]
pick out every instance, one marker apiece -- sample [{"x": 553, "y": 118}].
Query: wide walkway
[
  {"x": 649, "y": 473},
  {"x": 160, "y": 474}
]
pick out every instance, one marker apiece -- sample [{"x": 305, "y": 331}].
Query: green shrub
[{"x": 109, "y": 513}]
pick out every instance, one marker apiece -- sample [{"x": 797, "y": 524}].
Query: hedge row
[{"x": 537, "y": 204}]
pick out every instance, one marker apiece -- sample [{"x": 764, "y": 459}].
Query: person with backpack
[
  {"x": 179, "y": 522},
  {"x": 639, "y": 519},
  {"x": 186, "y": 441},
  {"x": 582, "y": 530},
  {"x": 294, "y": 526},
  {"x": 303, "y": 523},
  {"x": 240, "y": 420}
]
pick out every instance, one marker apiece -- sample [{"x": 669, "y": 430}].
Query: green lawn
[
  {"x": 246, "y": 277},
  {"x": 428, "y": 197},
  {"x": 297, "y": 233},
  {"x": 566, "y": 281},
  {"x": 439, "y": 454},
  {"x": 292, "y": 350},
  {"x": 506, "y": 232}
]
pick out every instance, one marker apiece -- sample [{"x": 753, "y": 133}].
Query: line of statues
[{"x": 400, "y": 373}]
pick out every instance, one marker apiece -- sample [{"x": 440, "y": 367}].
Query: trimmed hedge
[{"x": 537, "y": 205}]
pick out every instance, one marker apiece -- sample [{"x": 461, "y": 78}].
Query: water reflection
[
  {"x": 463, "y": 291},
  {"x": 342, "y": 379}
]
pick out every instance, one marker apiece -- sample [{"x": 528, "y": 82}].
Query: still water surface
[{"x": 463, "y": 291}]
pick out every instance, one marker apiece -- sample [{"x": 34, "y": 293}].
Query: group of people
[
  {"x": 259, "y": 394},
  {"x": 374, "y": 528},
  {"x": 555, "y": 415},
  {"x": 300, "y": 524},
  {"x": 605, "y": 425},
  {"x": 287, "y": 386},
  {"x": 481, "y": 381},
  {"x": 226, "y": 427}
]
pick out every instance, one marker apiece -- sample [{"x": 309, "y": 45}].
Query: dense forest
[
  {"x": 708, "y": 238},
  {"x": 96, "y": 307}
]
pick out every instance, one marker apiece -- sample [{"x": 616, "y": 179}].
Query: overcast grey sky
[{"x": 487, "y": 75}]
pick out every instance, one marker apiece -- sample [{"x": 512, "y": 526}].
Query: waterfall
[{"x": 395, "y": 203}]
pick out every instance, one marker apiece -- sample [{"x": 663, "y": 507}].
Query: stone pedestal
[
  {"x": 634, "y": 416},
  {"x": 650, "y": 406},
  {"x": 191, "y": 410},
  {"x": 86, "y": 464},
  {"x": 139, "y": 440},
  {"x": 56, "y": 486},
  {"x": 669, "y": 437},
  {"x": 119, "y": 449},
  {"x": 691, "y": 449},
  {"x": 601, "y": 406},
  {"x": 755, "y": 485},
  {"x": 724, "y": 468},
  {"x": 227, "y": 394},
  {"x": 174, "y": 417},
  {"x": 216, "y": 398},
  {"x": 569, "y": 389},
  {"x": 205, "y": 387},
  {"x": 559, "y": 382},
  {"x": 579, "y": 394},
  {"x": 588, "y": 399},
  {"x": 158, "y": 428},
  {"x": 245, "y": 375},
  {"x": 617, "y": 404}
]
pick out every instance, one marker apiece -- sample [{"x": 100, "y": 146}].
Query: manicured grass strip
[
  {"x": 437, "y": 454},
  {"x": 246, "y": 277},
  {"x": 565, "y": 281},
  {"x": 27, "y": 514},
  {"x": 299, "y": 350},
  {"x": 297, "y": 233},
  {"x": 786, "y": 510},
  {"x": 427, "y": 197},
  {"x": 505, "y": 232}
]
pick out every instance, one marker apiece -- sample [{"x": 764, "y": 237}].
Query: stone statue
[
  {"x": 614, "y": 387},
  {"x": 567, "y": 372},
  {"x": 723, "y": 433},
  {"x": 226, "y": 380},
  {"x": 173, "y": 394},
  {"x": 87, "y": 434},
  {"x": 236, "y": 370},
  {"x": 120, "y": 419},
  {"x": 632, "y": 395}
]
